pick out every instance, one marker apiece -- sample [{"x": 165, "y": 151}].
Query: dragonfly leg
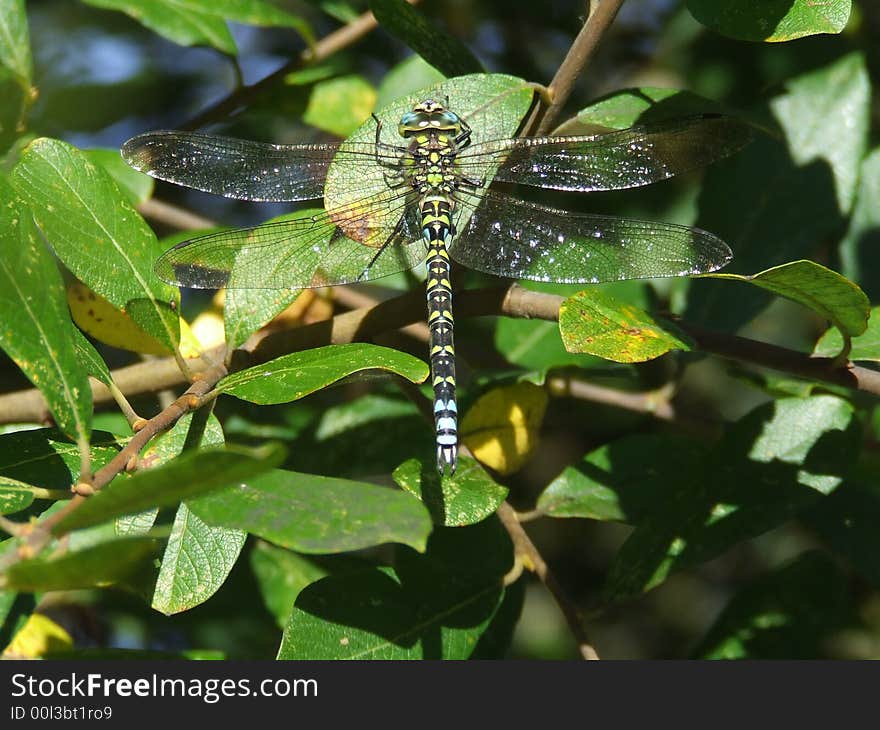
[
  {"x": 464, "y": 137},
  {"x": 399, "y": 152},
  {"x": 364, "y": 275}
]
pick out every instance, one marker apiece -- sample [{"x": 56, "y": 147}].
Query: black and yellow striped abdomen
[{"x": 437, "y": 229}]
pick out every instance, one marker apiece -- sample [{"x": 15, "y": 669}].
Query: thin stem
[
  {"x": 532, "y": 560},
  {"x": 324, "y": 48},
  {"x": 35, "y": 537},
  {"x": 174, "y": 216},
  {"x": 602, "y": 14},
  {"x": 366, "y": 322}
]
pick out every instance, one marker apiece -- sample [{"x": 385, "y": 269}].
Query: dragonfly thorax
[{"x": 429, "y": 115}]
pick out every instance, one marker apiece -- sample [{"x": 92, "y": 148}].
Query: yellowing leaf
[
  {"x": 39, "y": 636},
  {"x": 207, "y": 331},
  {"x": 97, "y": 317},
  {"x": 501, "y": 428}
]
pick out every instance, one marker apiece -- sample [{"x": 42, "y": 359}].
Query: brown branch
[
  {"x": 576, "y": 60},
  {"x": 531, "y": 558},
  {"x": 823, "y": 369},
  {"x": 174, "y": 216},
  {"x": 324, "y": 48},
  {"x": 366, "y": 322},
  {"x": 656, "y": 402},
  {"x": 35, "y": 537}
]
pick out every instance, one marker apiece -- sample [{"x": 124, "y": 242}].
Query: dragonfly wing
[
  {"x": 522, "y": 240},
  {"x": 373, "y": 238},
  {"x": 623, "y": 159},
  {"x": 237, "y": 168}
]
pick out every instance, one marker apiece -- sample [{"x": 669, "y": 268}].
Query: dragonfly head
[{"x": 429, "y": 115}]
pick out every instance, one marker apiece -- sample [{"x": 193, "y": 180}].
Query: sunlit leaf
[
  {"x": 316, "y": 514},
  {"x": 468, "y": 496},
  {"x": 595, "y": 323},
  {"x": 116, "y": 561},
  {"x": 36, "y": 331},
  {"x": 501, "y": 427},
  {"x": 826, "y": 292},
  {"x": 772, "y": 20},
  {"x": 433, "y": 606},
  {"x": 195, "y": 22},
  {"x": 39, "y": 636},
  {"x": 96, "y": 232},
  {"x": 340, "y": 105},
  {"x": 293, "y": 376},
  {"x": 187, "y": 476}
]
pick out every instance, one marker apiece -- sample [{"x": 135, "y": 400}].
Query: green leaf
[
  {"x": 89, "y": 359},
  {"x": 282, "y": 574},
  {"x": 815, "y": 105},
  {"x": 15, "y": 609},
  {"x": 625, "y": 480},
  {"x": 189, "y": 475},
  {"x": 778, "y": 460},
  {"x": 198, "y": 557},
  {"x": 771, "y": 20},
  {"x": 14, "y": 495},
  {"x": 202, "y": 22},
  {"x": 864, "y": 347},
  {"x": 467, "y": 497},
  {"x": 376, "y": 431},
  {"x": 444, "y": 52},
  {"x": 124, "y": 561},
  {"x": 406, "y": 78},
  {"x": 340, "y": 105},
  {"x": 315, "y": 514},
  {"x": 595, "y": 323},
  {"x": 15, "y": 46},
  {"x": 196, "y": 562},
  {"x": 786, "y": 614},
  {"x": 46, "y": 458},
  {"x": 134, "y": 185},
  {"x": 37, "y": 332},
  {"x": 96, "y": 232},
  {"x": 290, "y": 377},
  {"x": 433, "y": 606},
  {"x": 860, "y": 247},
  {"x": 826, "y": 292},
  {"x": 779, "y": 200},
  {"x": 628, "y": 107},
  {"x": 535, "y": 345}
]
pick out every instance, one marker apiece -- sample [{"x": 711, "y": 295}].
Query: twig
[
  {"x": 174, "y": 216},
  {"x": 580, "y": 53},
  {"x": 784, "y": 360},
  {"x": 366, "y": 322},
  {"x": 35, "y": 537},
  {"x": 324, "y": 48},
  {"x": 531, "y": 559}
]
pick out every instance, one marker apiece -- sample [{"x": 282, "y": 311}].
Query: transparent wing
[
  {"x": 245, "y": 170},
  {"x": 522, "y": 240},
  {"x": 624, "y": 159},
  {"x": 373, "y": 238}
]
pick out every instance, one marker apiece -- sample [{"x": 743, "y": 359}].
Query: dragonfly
[{"x": 438, "y": 203}]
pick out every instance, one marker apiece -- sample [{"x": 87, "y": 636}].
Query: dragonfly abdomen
[{"x": 437, "y": 228}]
